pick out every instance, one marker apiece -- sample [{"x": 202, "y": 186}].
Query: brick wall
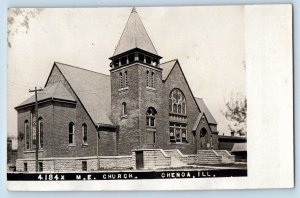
[
  {"x": 176, "y": 80},
  {"x": 56, "y": 118},
  {"x": 132, "y": 128}
]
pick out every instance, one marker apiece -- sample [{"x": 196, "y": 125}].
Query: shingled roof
[
  {"x": 167, "y": 67},
  {"x": 134, "y": 36},
  {"x": 206, "y": 111},
  {"x": 92, "y": 89},
  {"x": 54, "y": 91}
]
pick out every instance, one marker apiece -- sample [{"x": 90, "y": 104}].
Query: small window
[
  {"x": 40, "y": 166},
  {"x": 148, "y": 79},
  {"x": 116, "y": 63},
  {"x": 25, "y": 167},
  {"x": 126, "y": 79},
  {"x": 131, "y": 58},
  {"x": 141, "y": 57},
  {"x": 153, "y": 79},
  {"x": 148, "y": 60},
  {"x": 124, "y": 60},
  {"x": 71, "y": 133},
  {"x": 150, "y": 117},
  {"x": 84, "y": 165},
  {"x": 84, "y": 133},
  {"x": 121, "y": 80},
  {"x": 124, "y": 109}
]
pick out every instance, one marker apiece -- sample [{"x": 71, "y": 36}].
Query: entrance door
[
  {"x": 203, "y": 139},
  {"x": 139, "y": 159}
]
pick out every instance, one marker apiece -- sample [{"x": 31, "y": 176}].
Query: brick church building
[{"x": 142, "y": 105}]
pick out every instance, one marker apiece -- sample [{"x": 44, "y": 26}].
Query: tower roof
[{"x": 134, "y": 36}]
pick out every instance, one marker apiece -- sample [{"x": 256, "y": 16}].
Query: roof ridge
[
  {"x": 80, "y": 68},
  {"x": 175, "y": 59}
]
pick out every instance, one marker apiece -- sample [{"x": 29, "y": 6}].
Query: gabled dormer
[{"x": 134, "y": 45}]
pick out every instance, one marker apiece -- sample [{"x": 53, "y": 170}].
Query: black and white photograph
[{"x": 128, "y": 93}]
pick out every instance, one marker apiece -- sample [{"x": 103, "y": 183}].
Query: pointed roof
[
  {"x": 54, "y": 91},
  {"x": 92, "y": 89},
  {"x": 167, "y": 67},
  {"x": 134, "y": 36},
  {"x": 206, "y": 111}
]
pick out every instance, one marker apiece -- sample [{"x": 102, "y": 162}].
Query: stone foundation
[
  {"x": 75, "y": 164},
  {"x": 151, "y": 159}
]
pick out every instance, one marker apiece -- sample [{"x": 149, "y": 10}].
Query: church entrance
[{"x": 203, "y": 139}]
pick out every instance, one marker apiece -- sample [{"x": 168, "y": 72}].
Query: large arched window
[
  {"x": 84, "y": 133},
  {"x": 27, "y": 135},
  {"x": 177, "y": 102},
  {"x": 150, "y": 117},
  {"x": 41, "y": 133},
  {"x": 71, "y": 133}
]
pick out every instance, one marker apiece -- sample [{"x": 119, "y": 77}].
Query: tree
[
  {"x": 236, "y": 113},
  {"x": 18, "y": 19}
]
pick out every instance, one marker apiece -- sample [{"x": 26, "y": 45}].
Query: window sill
[
  {"x": 84, "y": 145},
  {"x": 151, "y": 128},
  {"x": 151, "y": 88},
  {"x": 33, "y": 151},
  {"x": 123, "y": 89},
  {"x": 124, "y": 116},
  {"x": 178, "y": 114},
  {"x": 178, "y": 143},
  {"x": 72, "y": 145}
]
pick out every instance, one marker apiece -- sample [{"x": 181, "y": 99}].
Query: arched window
[
  {"x": 126, "y": 79},
  {"x": 177, "y": 102},
  {"x": 27, "y": 135},
  {"x": 203, "y": 132},
  {"x": 121, "y": 80},
  {"x": 148, "y": 79},
  {"x": 150, "y": 117},
  {"x": 84, "y": 133},
  {"x": 153, "y": 79},
  {"x": 150, "y": 122},
  {"x": 41, "y": 133},
  {"x": 71, "y": 133},
  {"x": 124, "y": 109}
]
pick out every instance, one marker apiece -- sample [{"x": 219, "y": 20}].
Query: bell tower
[{"x": 136, "y": 88}]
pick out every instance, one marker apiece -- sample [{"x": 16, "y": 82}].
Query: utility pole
[{"x": 37, "y": 135}]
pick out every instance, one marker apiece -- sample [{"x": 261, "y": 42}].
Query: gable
[
  {"x": 91, "y": 88},
  {"x": 204, "y": 108},
  {"x": 166, "y": 68},
  {"x": 175, "y": 76}
]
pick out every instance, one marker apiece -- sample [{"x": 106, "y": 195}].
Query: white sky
[{"x": 208, "y": 42}]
